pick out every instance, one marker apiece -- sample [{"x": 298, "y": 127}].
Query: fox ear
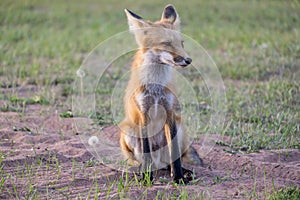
[
  {"x": 170, "y": 15},
  {"x": 135, "y": 21}
]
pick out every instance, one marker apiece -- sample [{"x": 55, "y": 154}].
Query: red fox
[{"x": 152, "y": 135}]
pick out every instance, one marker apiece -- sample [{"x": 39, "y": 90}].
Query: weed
[
  {"x": 291, "y": 193},
  {"x": 66, "y": 114},
  {"x": 218, "y": 179}
]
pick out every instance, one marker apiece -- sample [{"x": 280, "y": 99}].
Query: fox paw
[
  {"x": 188, "y": 174},
  {"x": 182, "y": 181}
]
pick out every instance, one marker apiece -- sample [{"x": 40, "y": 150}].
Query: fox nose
[{"x": 188, "y": 60}]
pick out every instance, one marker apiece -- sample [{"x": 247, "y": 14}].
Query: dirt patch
[{"x": 43, "y": 157}]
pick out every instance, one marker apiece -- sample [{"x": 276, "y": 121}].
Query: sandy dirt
[{"x": 43, "y": 156}]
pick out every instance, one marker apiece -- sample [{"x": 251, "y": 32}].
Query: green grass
[
  {"x": 255, "y": 44},
  {"x": 291, "y": 193}
]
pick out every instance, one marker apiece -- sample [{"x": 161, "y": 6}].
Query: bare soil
[{"x": 42, "y": 155}]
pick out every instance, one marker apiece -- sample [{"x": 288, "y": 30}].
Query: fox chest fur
[
  {"x": 153, "y": 90},
  {"x": 153, "y": 100}
]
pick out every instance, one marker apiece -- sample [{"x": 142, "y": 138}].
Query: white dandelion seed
[
  {"x": 80, "y": 73},
  {"x": 93, "y": 140},
  {"x": 264, "y": 46}
]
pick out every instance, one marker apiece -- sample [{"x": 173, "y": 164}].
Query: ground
[
  {"x": 255, "y": 46},
  {"x": 42, "y": 157}
]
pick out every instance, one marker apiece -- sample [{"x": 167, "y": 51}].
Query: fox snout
[{"x": 183, "y": 62}]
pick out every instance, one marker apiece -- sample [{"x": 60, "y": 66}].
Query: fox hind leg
[{"x": 125, "y": 143}]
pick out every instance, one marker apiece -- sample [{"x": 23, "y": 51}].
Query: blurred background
[{"x": 255, "y": 44}]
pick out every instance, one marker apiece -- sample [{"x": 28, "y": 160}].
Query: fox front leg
[
  {"x": 147, "y": 160},
  {"x": 176, "y": 167}
]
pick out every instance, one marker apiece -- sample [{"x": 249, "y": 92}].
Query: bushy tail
[{"x": 191, "y": 157}]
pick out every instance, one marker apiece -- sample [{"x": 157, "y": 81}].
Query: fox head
[{"x": 160, "y": 40}]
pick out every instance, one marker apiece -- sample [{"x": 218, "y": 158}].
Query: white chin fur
[
  {"x": 168, "y": 62},
  {"x": 166, "y": 57}
]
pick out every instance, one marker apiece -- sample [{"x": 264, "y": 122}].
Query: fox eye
[{"x": 166, "y": 43}]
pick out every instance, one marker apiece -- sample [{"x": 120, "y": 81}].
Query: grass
[
  {"x": 291, "y": 193},
  {"x": 255, "y": 44}
]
